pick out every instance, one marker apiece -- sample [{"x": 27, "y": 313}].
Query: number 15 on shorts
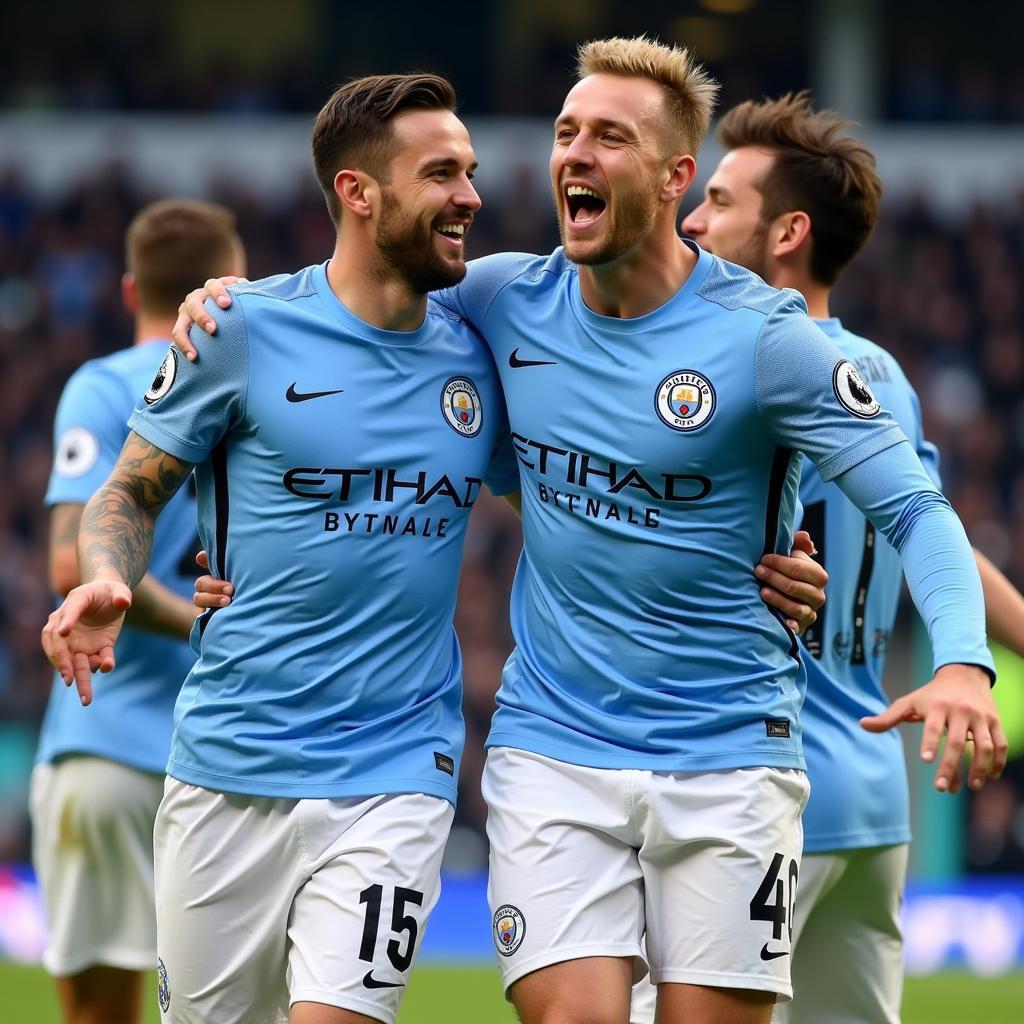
[
  {"x": 770, "y": 904},
  {"x": 400, "y": 950}
]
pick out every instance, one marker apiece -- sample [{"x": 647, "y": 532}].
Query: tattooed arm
[
  {"x": 114, "y": 543},
  {"x": 155, "y": 608}
]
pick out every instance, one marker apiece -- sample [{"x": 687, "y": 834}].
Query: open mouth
[
  {"x": 584, "y": 205},
  {"x": 453, "y": 231}
]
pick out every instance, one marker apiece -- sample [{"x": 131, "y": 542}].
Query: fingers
[
  {"x": 1000, "y": 749},
  {"x": 203, "y": 560},
  {"x": 82, "y": 677},
  {"x": 956, "y": 740},
  {"x": 68, "y": 614},
  {"x": 794, "y": 587},
  {"x": 217, "y": 287},
  {"x": 212, "y": 593},
  {"x": 56, "y": 648},
  {"x": 900, "y": 710},
  {"x": 803, "y": 543},
  {"x": 192, "y": 311}
]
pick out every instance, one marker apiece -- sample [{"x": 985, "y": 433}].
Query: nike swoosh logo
[
  {"x": 515, "y": 362},
  {"x": 369, "y": 981},
  {"x": 296, "y": 396},
  {"x": 771, "y": 954}
]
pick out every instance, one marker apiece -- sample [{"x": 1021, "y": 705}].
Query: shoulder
[
  {"x": 734, "y": 288},
  {"x": 495, "y": 273},
  {"x": 104, "y": 381},
  {"x": 279, "y": 288}
]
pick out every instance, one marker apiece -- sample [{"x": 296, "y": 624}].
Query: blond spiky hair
[{"x": 689, "y": 90}]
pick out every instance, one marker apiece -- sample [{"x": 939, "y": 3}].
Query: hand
[
  {"x": 192, "y": 311},
  {"x": 958, "y": 701},
  {"x": 794, "y": 584},
  {"x": 210, "y": 591},
  {"x": 79, "y": 636}
]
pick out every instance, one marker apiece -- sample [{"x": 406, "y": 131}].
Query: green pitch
[{"x": 459, "y": 995}]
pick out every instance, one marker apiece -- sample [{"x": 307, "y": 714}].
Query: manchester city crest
[
  {"x": 854, "y": 395},
  {"x": 509, "y": 929},
  {"x": 685, "y": 400},
  {"x": 460, "y": 403},
  {"x": 163, "y": 989},
  {"x": 164, "y": 378}
]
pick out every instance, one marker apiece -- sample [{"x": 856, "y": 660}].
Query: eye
[
  {"x": 613, "y": 138},
  {"x": 563, "y": 134}
]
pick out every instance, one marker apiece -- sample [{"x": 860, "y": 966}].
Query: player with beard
[
  {"x": 340, "y": 431},
  {"x": 794, "y": 199},
  {"x": 645, "y": 770}
]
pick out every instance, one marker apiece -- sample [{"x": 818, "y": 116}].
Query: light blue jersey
[
  {"x": 659, "y": 462},
  {"x": 337, "y": 465},
  {"x": 129, "y": 720},
  {"x": 858, "y": 779}
]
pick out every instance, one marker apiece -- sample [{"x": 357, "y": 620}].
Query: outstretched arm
[
  {"x": 114, "y": 544},
  {"x": 1004, "y": 606}
]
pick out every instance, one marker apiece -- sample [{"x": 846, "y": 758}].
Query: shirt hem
[
  {"x": 301, "y": 789},
  {"x": 855, "y": 840},
  {"x": 784, "y": 758}
]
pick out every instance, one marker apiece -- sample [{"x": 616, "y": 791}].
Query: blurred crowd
[{"x": 946, "y": 300}]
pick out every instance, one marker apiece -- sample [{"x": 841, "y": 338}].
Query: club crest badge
[
  {"x": 685, "y": 400},
  {"x": 509, "y": 929},
  {"x": 163, "y": 989},
  {"x": 460, "y": 403},
  {"x": 77, "y": 452},
  {"x": 853, "y": 394},
  {"x": 164, "y": 378}
]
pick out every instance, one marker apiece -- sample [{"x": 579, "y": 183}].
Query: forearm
[
  {"x": 157, "y": 609},
  {"x": 1004, "y": 607},
  {"x": 115, "y": 536}
]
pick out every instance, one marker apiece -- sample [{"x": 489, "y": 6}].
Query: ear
[
  {"x": 790, "y": 233},
  {"x": 358, "y": 192},
  {"x": 129, "y": 293},
  {"x": 681, "y": 172}
]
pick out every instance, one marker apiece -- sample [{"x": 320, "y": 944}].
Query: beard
[
  {"x": 407, "y": 250},
  {"x": 752, "y": 254},
  {"x": 631, "y": 222}
]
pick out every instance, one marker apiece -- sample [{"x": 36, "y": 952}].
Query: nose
[
  {"x": 695, "y": 223},
  {"x": 466, "y": 196},
  {"x": 579, "y": 152}
]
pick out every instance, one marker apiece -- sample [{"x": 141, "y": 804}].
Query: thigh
[
  {"x": 848, "y": 963},
  {"x": 720, "y": 858},
  {"x": 591, "y": 990},
  {"x": 93, "y": 851},
  {"x": 357, "y": 923},
  {"x": 227, "y": 869},
  {"x": 564, "y": 880}
]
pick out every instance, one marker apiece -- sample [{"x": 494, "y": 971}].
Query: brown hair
[
  {"x": 689, "y": 90},
  {"x": 174, "y": 245},
  {"x": 818, "y": 168},
  {"x": 354, "y": 127}
]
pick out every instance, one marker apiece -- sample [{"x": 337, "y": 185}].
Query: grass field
[{"x": 459, "y": 995}]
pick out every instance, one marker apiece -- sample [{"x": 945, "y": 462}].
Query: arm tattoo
[{"x": 117, "y": 524}]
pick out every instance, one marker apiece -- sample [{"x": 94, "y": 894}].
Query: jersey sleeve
[
  {"x": 811, "y": 397},
  {"x": 191, "y": 406},
  {"x": 503, "y": 470},
  {"x": 485, "y": 278},
  {"x": 88, "y": 433},
  {"x": 895, "y": 492},
  {"x": 926, "y": 451}
]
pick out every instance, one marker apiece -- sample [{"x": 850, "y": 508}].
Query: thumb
[
  {"x": 121, "y": 598},
  {"x": 900, "y": 710},
  {"x": 203, "y": 560},
  {"x": 802, "y": 542}
]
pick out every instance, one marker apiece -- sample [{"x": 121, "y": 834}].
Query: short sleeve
[
  {"x": 485, "y": 278},
  {"x": 191, "y": 406},
  {"x": 812, "y": 398},
  {"x": 88, "y": 433}
]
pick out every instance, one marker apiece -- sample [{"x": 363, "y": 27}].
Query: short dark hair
[
  {"x": 174, "y": 245},
  {"x": 818, "y": 168},
  {"x": 354, "y": 128}
]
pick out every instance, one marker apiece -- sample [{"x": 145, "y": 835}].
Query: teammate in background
[
  {"x": 645, "y": 769},
  {"x": 340, "y": 431},
  {"x": 794, "y": 199},
  {"x": 99, "y": 773}
]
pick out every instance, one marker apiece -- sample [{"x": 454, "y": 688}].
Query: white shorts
[
  {"x": 263, "y": 902},
  {"x": 847, "y": 944},
  {"x": 585, "y": 860},
  {"x": 92, "y": 844}
]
